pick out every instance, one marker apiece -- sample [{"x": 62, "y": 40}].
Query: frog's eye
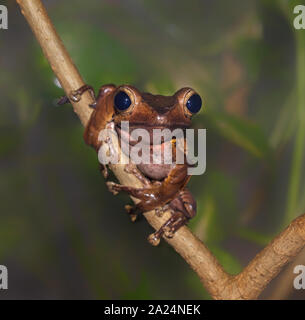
[
  {"x": 194, "y": 103},
  {"x": 122, "y": 101}
]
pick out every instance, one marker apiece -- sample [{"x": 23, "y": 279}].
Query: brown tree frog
[{"x": 164, "y": 184}]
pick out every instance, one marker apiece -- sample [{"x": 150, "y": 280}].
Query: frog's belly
[
  {"x": 158, "y": 170},
  {"x": 157, "y": 159},
  {"x": 155, "y": 171}
]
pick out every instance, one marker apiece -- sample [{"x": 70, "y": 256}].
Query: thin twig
[{"x": 263, "y": 268}]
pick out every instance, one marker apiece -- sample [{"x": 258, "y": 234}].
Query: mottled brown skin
[{"x": 167, "y": 187}]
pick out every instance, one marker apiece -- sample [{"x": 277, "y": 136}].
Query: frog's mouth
[{"x": 149, "y": 135}]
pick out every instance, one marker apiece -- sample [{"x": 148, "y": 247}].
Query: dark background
[{"x": 62, "y": 235}]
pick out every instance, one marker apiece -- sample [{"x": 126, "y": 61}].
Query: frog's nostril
[
  {"x": 163, "y": 109},
  {"x": 161, "y": 104}
]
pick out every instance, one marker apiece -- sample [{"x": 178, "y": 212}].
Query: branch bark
[{"x": 260, "y": 271}]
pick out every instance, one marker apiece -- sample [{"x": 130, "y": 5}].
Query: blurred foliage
[{"x": 61, "y": 234}]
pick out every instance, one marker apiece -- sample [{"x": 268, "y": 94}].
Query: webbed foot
[
  {"x": 133, "y": 212},
  {"x": 183, "y": 208},
  {"x": 173, "y": 224}
]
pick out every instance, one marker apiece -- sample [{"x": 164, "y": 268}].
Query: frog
[{"x": 164, "y": 184}]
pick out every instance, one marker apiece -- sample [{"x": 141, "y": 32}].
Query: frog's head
[{"x": 148, "y": 111}]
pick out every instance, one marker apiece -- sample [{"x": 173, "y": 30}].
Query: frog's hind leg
[
  {"x": 183, "y": 208},
  {"x": 176, "y": 221}
]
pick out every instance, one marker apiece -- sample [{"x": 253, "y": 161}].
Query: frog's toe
[
  {"x": 154, "y": 239},
  {"x": 177, "y": 220},
  {"x": 113, "y": 187},
  {"x": 132, "y": 211},
  {"x": 169, "y": 228},
  {"x": 63, "y": 100}
]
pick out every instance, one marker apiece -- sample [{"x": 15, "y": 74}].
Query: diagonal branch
[{"x": 261, "y": 270}]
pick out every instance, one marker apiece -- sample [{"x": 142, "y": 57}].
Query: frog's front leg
[
  {"x": 140, "y": 193},
  {"x": 75, "y": 95},
  {"x": 158, "y": 193}
]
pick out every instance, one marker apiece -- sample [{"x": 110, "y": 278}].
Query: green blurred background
[{"x": 62, "y": 234}]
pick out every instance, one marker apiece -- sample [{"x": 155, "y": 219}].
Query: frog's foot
[
  {"x": 113, "y": 187},
  {"x": 183, "y": 208},
  {"x": 186, "y": 203},
  {"x": 174, "y": 223},
  {"x": 132, "y": 169},
  {"x": 63, "y": 100},
  {"x": 133, "y": 212},
  {"x": 145, "y": 194},
  {"x": 76, "y": 95},
  {"x": 154, "y": 239}
]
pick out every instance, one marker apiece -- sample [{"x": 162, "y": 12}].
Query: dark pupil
[
  {"x": 122, "y": 101},
  {"x": 194, "y": 103}
]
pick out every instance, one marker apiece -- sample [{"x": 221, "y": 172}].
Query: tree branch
[{"x": 263, "y": 268}]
